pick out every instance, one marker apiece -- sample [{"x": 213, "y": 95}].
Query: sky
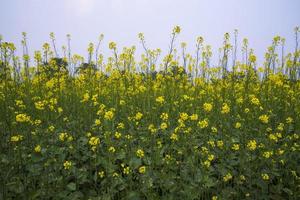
[{"x": 122, "y": 20}]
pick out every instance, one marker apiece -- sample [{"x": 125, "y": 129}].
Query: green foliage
[{"x": 122, "y": 134}]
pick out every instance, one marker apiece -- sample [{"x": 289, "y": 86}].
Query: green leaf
[
  {"x": 71, "y": 186},
  {"x": 135, "y": 162},
  {"x": 16, "y": 187},
  {"x": 133, "y": 196}
]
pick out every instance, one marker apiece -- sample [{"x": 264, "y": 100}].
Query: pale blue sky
[{"x": 122, "y": 20}]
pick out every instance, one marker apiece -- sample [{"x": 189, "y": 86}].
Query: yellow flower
[
  {"x": 194, "y": 117},
  {"x": 225, "y": 108},
  {"x": 39, "y": 105},
  {"x": 94, "y": 99},
  {"x": 22, "y": 118},
  {"x": 37, "y": 149},
  {"x": 252, "y": 58},
  {"x": 240, "y": 100},
  {"x": 118, "y": 135},
  {"x": 264, "y": 119},
  {"x": 109, "y": 115},
  {"x": 138, "y": 116},
  {"x": 265, "y": 177},
  {"x": 176, "y": 30},
  {"x": 251, "y": 145},
  {"x": 267, "y": 154},
  {"x": 214, "y": 129},
  {"x": 115, "y": 174},
  {"x": 152, "y": 128},
  {"x": 279, "y": 135},
  {"x": 16, "y": 138},
  {"x": 88, "y": 134},
  {"x": 51, "y": 128},
  {"x": 203, "y": 124},
  {"x": 50, "y": 84},
  {"x": 214, "y": 198},
  {"x": 126, "y": 170},
  {"x": 142, "y": 169},
  {"x": 164, "y": 116},
  {"x": 273, "y": 137},
  {"x": 255, "y": 101},
  {"x": 242, "y": 177},
  {"x": 111, "y": 149},
  {"x": 112, "y": 45},
  {"x": 67, "y": 165},
  {"x": 70, "y": 138},
  {"x": 164, "y": 126},
  {"x": 63, "y": 136},
  {"x": 159, "y": 144},
  {"x": 86, "y": 97},
  {"x": 210, "y": 157},
  {"x": 140, "y": 153},
  {"x": 101, "y": 174},
  {"x": 211, "y": 143},
  {"x": 20, "y": 104},
  {"x": 206, "y": 163},
  {"x": 160, "y": 100},
  {"x": 227, "y": 177},
  {"x": 142, "y": 88},
  {"x": 183, "y": 116},
  {"x": 60, "y": 110},
  {"x": 122, "y": 102},
  {"x": 289, "y": 120},
  {"x": 120, "y": 126},
  {"x": 235, "y": 147},
  {"x": 204, "y": 150},
  {"x": 97, "y": 122},
  {"x": 94, "y": 141},
  {"x": 238, "y": 125},
  {"x": 174, "y": 137},
  {"x": 280, "y": 152},
  {"x": 280, "y": 127},
  {"x": 220, "y": 143},
  {"x": 207, "y": 107}
]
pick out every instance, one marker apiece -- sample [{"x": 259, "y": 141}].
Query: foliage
[{"x": 116, "y": 131}]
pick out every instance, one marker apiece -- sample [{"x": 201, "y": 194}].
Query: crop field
[{"x": 170, "y": 126}]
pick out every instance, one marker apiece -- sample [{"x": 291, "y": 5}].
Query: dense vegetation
[{"x": 127, "y": 129}]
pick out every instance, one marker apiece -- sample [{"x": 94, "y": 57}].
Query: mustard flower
[
  {"x": 22, "y": 118},
  {"x": 265, "y": 177},
  {"x": 203, "y": 124},
  {"x": 225, "y": 108},
  {"x": 16, "y": 138},
  {"x": 67, "y": 165},
  {"x": 109, "y": 115},
  {"x": 164, "y": 116},
  {"x": 235, "y": 147},
  {"x": 138, "y": 116},
  {"x": 140, "y": 153},
  {"x": 251, "y": 145},
  {"x": 207, "y": 107},
  {"x": 164, "y": 126},
  {"x": 142, "y": 169},
  {"x": 227, "y": 177},
  {"x": 160, "y": 99},
  {"x": 264, "y": 119},
  {"x": 112, "y": 149},
  {"x": 37, "y": 149}
]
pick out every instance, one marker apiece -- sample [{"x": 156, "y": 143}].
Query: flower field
[{"x": 122, "y": 128}]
